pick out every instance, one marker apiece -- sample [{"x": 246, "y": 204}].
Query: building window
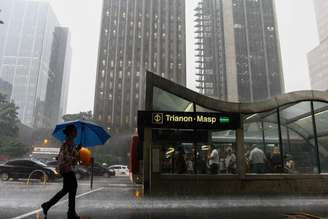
[
  {"x": 102, "y": 73},
  {"x": 171, "y": 65},
  {"x": 120, "y": 74},
  {"x": 103, "y": 62},
  {"x": 110, "y": 97},
  {"x": 107, "y": 13}
]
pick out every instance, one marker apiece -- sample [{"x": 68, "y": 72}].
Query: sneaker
[{"x": 45, "y": 208}]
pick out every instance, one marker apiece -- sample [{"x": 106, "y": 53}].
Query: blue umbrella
[{"x": 88, "y": 134}]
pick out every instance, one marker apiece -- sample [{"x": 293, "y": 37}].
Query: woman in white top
[{"x": 213, "y": 160}]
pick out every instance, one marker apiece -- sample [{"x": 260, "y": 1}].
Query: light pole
[{"x": 1, "y": 22}]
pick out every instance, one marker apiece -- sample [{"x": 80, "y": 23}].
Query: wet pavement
[{"x": 117, "y": 198}]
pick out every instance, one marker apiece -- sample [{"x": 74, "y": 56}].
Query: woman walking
[{"x": 67, "y": 159}]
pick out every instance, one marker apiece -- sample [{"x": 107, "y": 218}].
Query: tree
[
  {"x": 79, "y": 116},
  {"x": 9, "y": 123},
  {"x": 8, "y": 118},
  {"x": 12, "y": 148}
]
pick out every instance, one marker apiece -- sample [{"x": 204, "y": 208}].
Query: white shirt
[
  {"x": 257, "y": 156},
  {"x": 215, "y": 157}
]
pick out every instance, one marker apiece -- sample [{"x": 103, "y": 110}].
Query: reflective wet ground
[{"x": 117, "y": 198}]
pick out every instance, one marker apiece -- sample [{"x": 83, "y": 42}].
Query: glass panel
[
  {"x": 297, "y": 130},
  {"x": 262, "y": 143},
  {"x": 165, "y": 101},
  {"x": 198, "y": 152},
  {"x": 321, "y": 115}
]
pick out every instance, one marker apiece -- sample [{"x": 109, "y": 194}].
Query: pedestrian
[
  {"x": 231, "y": 161},
  {"x": 276, "y": 161},
  {"x": 213, "y": 160},
  {"x": 67, "y": 159},
  {"x": 190, "y": 166},
  {"x": 257, "y": 160},
  {"x": 180, "y": 162}
]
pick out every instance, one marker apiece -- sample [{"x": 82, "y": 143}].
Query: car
[
  {"x": 80, "y": 171},
  {"x": 120, "y": 170},
  {"x": 99, "y": 170},
  {"x": 27, "y": 168}
]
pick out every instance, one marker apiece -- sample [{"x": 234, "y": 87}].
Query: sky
[{"x": 297, "y": 31}]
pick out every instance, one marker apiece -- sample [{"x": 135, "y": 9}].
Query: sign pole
[{"x": 92, "y": 167}]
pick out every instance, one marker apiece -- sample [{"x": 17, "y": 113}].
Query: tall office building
[
  {"x": 237, "y": 50},
  {"x": 29, "y": 58},
  {"x": 58, "y": 80},
  {"x": 136, "y": 36},
  {"x": 317, "y": 58}
]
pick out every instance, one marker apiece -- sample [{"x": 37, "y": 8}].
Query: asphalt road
[{"x": 117, "y": 198}]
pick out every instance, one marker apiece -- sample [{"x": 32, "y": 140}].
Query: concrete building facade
[
  {"x": 28, "y": 58},
  {"x": 318, "y": 57},
  {"x": 237, "y": 50},
  {"x": 136, "y": 36}
]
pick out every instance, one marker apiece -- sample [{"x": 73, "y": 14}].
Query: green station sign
[{"x": 189, "y": 120}]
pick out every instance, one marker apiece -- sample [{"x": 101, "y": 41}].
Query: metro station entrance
[
  {"x": 179, "y": 130},
  {"x": 182, "y": 144}
]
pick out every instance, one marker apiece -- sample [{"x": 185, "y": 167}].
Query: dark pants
[
  {"x": 70, "y": 187},
  {"x": 258, "y": 168},
  {"x": 214, "y": 168}
]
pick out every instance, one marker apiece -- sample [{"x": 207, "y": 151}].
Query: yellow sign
[{"x": 198, "y": 119}]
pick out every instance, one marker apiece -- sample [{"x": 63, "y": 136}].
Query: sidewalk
[{"x": 117, "y": 198}]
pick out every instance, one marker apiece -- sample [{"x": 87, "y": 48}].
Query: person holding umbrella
[{"x": 67, "y": 159}]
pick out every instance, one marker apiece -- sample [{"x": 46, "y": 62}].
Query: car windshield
[{"x": 39, "y": 163}]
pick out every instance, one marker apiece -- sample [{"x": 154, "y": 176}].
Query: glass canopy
[{"x": 293, "y": 136}]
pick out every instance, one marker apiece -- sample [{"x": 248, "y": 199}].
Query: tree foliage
[
  {"x": 79, "y": 116},
  {"x": 9, "y": 123},
  {"x": 8, "y": 118}
]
